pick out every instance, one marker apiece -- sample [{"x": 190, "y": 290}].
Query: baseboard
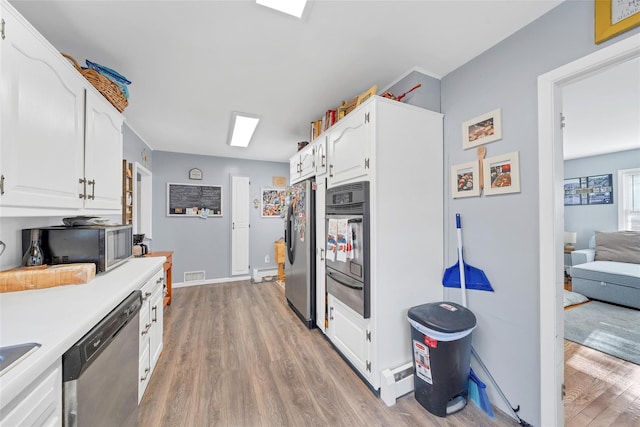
[{"x": 210, "y": 281}]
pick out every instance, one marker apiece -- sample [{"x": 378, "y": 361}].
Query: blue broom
[{"x": 478, "y": 394}]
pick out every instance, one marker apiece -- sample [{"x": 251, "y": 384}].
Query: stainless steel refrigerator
[{"x": 300, "y": 270}]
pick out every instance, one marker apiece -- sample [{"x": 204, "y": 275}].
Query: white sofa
[{"x": 609, "y": 270}]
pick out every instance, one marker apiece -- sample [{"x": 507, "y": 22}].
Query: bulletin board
[{"x": 194, "y": 200}]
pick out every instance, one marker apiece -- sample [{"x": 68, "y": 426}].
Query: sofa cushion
[
  {"x": 610, "y": 272},
  {"x": 619, "y": 246}
]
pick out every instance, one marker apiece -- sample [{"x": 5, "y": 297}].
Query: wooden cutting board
[{"x": 46, "y": 276}]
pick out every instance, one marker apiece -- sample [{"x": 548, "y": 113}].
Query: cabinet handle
[
  {"x": 146, "y": 329},
  {"x": 155, "y": 313},
  {"x": 146, "y": 296},
  {"x": 83, "y": 181},
  {"x": 159, "y": 280},
  {"x": 331, "y": 313},
  {"x": 321, "y": 254},
  {"x": 92, "y": 183},
  {"x": 323, "y": 164},
  {"x": 2, "y": 28},
  {"x": 1, "y": 183},
  {"x": 146, "y": 374},
  {"x": 331, "y": 171}
]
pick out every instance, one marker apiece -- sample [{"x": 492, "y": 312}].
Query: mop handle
[
  {"x": 514, "y": 411},
  {"x": 463, "y": 286}
]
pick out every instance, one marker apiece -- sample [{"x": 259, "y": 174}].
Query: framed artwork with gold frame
[{"x": 614, "y": 17}]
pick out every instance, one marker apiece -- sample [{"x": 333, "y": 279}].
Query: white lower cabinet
[
  {"x": 151, "y": 328},
  {"x": 40, "y": 404},
  {"x": 351, "y": 334}
]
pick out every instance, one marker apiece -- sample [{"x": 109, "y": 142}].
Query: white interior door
[{"x": 239, "y": 225}]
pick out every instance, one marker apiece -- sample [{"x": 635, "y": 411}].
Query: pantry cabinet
[
  {"x": 398, "y": 149},
  {"x": 151, "y": 329},
  {"x": 61, "y": 141}
]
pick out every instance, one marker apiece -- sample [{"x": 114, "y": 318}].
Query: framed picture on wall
[
  {"x": 482, "y": 129},
  {"x": 273, "y": 202},
  {"x": 614, "y": 17},
  {"x": 465, "y": 180},
  {"x": 502, "y": 174}
]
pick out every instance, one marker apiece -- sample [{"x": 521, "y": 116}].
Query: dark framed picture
[{"x": 589, "y": 190}]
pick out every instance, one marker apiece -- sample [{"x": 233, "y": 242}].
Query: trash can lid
[{"x": 447, "y": 317}]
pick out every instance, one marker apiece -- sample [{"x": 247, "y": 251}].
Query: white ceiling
[
  {"x": 602, "y": 112},
  {"x": 193, "y": 63}
]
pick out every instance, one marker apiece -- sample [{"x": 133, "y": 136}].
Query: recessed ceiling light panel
[
  {"x": 243, "y": 127},
  {"x": 290, "y": 7}
]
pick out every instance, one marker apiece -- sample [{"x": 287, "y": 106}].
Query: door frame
[{"x": 551, "y": 215}]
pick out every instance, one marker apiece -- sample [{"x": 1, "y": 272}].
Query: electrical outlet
[{"x": 266, "y": 259}]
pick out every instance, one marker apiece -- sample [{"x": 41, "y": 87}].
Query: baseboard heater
[
  {"x": 260, "y": 273},
  {"x": 396, "y": 383}
]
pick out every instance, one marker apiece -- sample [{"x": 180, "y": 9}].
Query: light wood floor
[
  {"x": 236, "y": 355},
  {"x": 601, "y": 390}
]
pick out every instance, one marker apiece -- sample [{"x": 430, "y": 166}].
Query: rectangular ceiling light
[
  {"x": 242, "y": 128},
  {"x": 290, "y": 7}
]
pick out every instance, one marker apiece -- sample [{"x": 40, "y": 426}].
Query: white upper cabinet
[
  {"x": 320, "y": 154},
  {"x": 42, "y": 117},
  {"x": 103, "y": 154},
  {"x": 60, "y": 140},
  {"x": 302, "y": 164},
  {"x": 350, "y": 147}
]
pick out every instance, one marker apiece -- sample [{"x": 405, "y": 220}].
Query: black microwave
[{"x": 107, "y": 246}]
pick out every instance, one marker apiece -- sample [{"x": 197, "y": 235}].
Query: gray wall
[
  {"x": 426, "y": 96},
  {"x": 500, "y": 233},
  {"x": 200, "y": 244},
  {"x": 135, "y": 149},
  {"x": 585, "y": 219}
]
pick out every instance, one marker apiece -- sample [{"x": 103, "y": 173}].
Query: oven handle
[
  {"x": 354, "y": 220},
  {"x": 359, "y": 287}
]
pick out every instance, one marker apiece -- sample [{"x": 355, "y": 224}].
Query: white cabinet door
[
  {"x": 294, "y": 168},
  {"x": 321, "y": 239},
  {"x": 103, "y": 154},
  {"x": 350, "y": 147},
  {"x": 350, "y": 333},
  {"x": 321, "y": 159},
  {"x": 42, "y": 114},
  {"x": 239, "y": 225},
  {"x": 144, "y": 370},
  {"x": 41, "y": 402},
  {"x": 157, "y": 322},
  {"x": 307, "y": 162}
]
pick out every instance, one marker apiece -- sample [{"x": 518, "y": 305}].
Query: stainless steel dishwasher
[{"x": 100, "y": 371}]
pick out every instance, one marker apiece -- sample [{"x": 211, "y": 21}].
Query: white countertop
[{"x": 58, "y": 317}]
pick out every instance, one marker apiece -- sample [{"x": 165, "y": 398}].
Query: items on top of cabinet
[
  {"x": 108, "y": 88},
  {"x": 390, "y": 95},
  {"x": 331, "y": 117}
]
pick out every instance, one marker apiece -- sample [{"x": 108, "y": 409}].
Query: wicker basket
[{"x": 106, "y": 87}]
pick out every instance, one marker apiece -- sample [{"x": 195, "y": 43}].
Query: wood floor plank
[{"x": 236, "y": 355}]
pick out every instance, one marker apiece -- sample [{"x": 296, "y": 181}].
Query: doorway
[{"x": 551, "y": 215}]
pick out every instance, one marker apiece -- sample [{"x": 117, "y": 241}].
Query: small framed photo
[
  {"x": 273, "y": 202},
  {"x": 195, "y": 173},
  {"x": 465, "y": 180},
  {"x": 502, "y": 174},
  {"x": 482, "y": 129}
]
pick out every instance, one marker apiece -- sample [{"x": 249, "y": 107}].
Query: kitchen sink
[{"x": 13, "y": 354}]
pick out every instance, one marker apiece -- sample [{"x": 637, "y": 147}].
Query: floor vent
[{"x": 193, "y": 276}]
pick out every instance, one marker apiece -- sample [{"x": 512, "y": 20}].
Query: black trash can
[{"x": 441, "y": 340}]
